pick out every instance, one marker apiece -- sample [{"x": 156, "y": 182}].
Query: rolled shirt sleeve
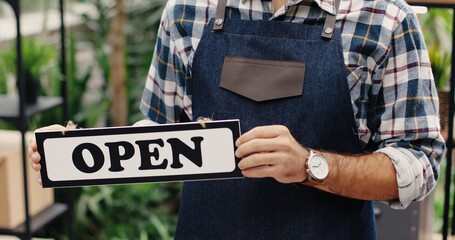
[{"x": 406, "y": 115}]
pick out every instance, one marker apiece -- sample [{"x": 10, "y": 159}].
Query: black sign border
[{"x": 233, "y": 125}]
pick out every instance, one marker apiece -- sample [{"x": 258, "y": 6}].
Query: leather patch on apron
[{"x": 262, "y": 80}]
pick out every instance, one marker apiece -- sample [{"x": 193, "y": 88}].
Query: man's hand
[
  {"x": 33, "y": 154},
  {"x": 271, "y": 151}
]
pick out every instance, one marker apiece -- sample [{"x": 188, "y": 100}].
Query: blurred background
[
  {"x": 109, "y": 50},
  {"x": 109, "y": 46}
]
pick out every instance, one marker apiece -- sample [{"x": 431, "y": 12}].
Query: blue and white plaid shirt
[{"x": 393, "y": 94}]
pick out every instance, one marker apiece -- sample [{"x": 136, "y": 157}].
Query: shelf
[
  {"x": 9, "y": 109},
  {"x": 37, "y": 222},
  {"x": 17, "y": 113}
]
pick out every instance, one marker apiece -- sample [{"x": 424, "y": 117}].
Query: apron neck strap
[
  {"x": 327, "y": 31},
  {"x": 329, "y": 25},
  {"x": 220, "y": 15}
]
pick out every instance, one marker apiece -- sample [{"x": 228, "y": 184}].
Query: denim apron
[{"x": 320, "y": 118}]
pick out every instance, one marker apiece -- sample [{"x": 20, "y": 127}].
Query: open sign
[{"x": 119, "y": 155}]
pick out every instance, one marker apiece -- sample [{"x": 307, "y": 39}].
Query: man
[{"x": 336, "y": 97}]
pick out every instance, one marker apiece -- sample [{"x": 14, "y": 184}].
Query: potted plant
[
  {"x": 37, "y": 59},
  {"x": 437, "y": 28},
  {"x": 441, "y": 65}
]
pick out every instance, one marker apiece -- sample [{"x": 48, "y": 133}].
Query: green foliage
[
  {"x": 40, "y": 63},
  {"x": 141, "y": 33},
  {"x": 99, "y": 27},
  {"x": 139, "y": 211},
  {"x": 437, "y": 27},
  {"x": 440, "y": 64},
  {"x": 439, "y": 194},
  {"x": 97, "y": 35},
  {"x": 3, "y": 79},
  {"x": 37, "y": 59},
  {"x": 85, "y": 115}
]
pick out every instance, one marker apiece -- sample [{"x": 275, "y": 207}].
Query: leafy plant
[
  {"x": 38, "y": 60},
  {"x": 440, "y": 64},
  {"x": 84, "y": 114},
  {"x": 3, "y": 80},
  {"x": 139, "y": 211},
  {"x": 141, "y": 32},
  {"x": 437, "y": 27},
  {"x": 97, "y": 29},
  {"x": 439, "y": 201},
  {"x": 140, "y": 43}
]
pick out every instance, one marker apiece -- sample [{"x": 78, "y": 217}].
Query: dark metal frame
[{"x": 19, "y": 119}]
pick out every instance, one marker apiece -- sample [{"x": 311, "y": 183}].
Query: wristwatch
[{"x": 317, "y": 167}]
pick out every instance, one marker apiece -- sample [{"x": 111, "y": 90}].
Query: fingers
[
  {"x": 32, "y": 150},
  {"x": 203, "y": 120},
  {"x": 271, "y": 151},
  {"x": 36, "y": 166},
  {"x": 35, "y": 157},
  {"x": 269, "y": 144},
  {"x": 262, "y": 132},
  {"x": 55, "y": 127},
  {"x": 256, "y": 146},
  {"x": 258, "y": 160},
  {"x": 33, "y": 147}
]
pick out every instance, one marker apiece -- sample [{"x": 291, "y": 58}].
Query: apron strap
[
  {"x": 327, "y": 31},
  {"x": 329, "y": 26},
  {"x": 220, "y": 15}
]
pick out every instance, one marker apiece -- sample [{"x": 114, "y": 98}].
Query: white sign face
[{"x": 170, "y": 152}]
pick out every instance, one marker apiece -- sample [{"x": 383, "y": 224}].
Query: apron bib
[{"x": 265, "y": 73}]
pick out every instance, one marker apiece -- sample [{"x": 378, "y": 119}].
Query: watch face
[{"x": 318, "y": 167}]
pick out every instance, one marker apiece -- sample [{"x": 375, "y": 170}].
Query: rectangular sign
[{"x": 120, "y": 155}]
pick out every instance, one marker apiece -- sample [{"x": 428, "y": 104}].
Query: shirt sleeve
[
  {"x": 164, "y": 99},
  {"x": 406, "y": 115}
]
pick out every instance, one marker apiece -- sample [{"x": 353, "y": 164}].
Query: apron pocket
[{"x": 262, "y": 80}]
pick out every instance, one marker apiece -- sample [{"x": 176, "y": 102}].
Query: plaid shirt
[{"x": 391, "y": 84}]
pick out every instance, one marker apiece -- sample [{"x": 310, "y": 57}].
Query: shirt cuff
[{"x": 409, "y": 172}]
